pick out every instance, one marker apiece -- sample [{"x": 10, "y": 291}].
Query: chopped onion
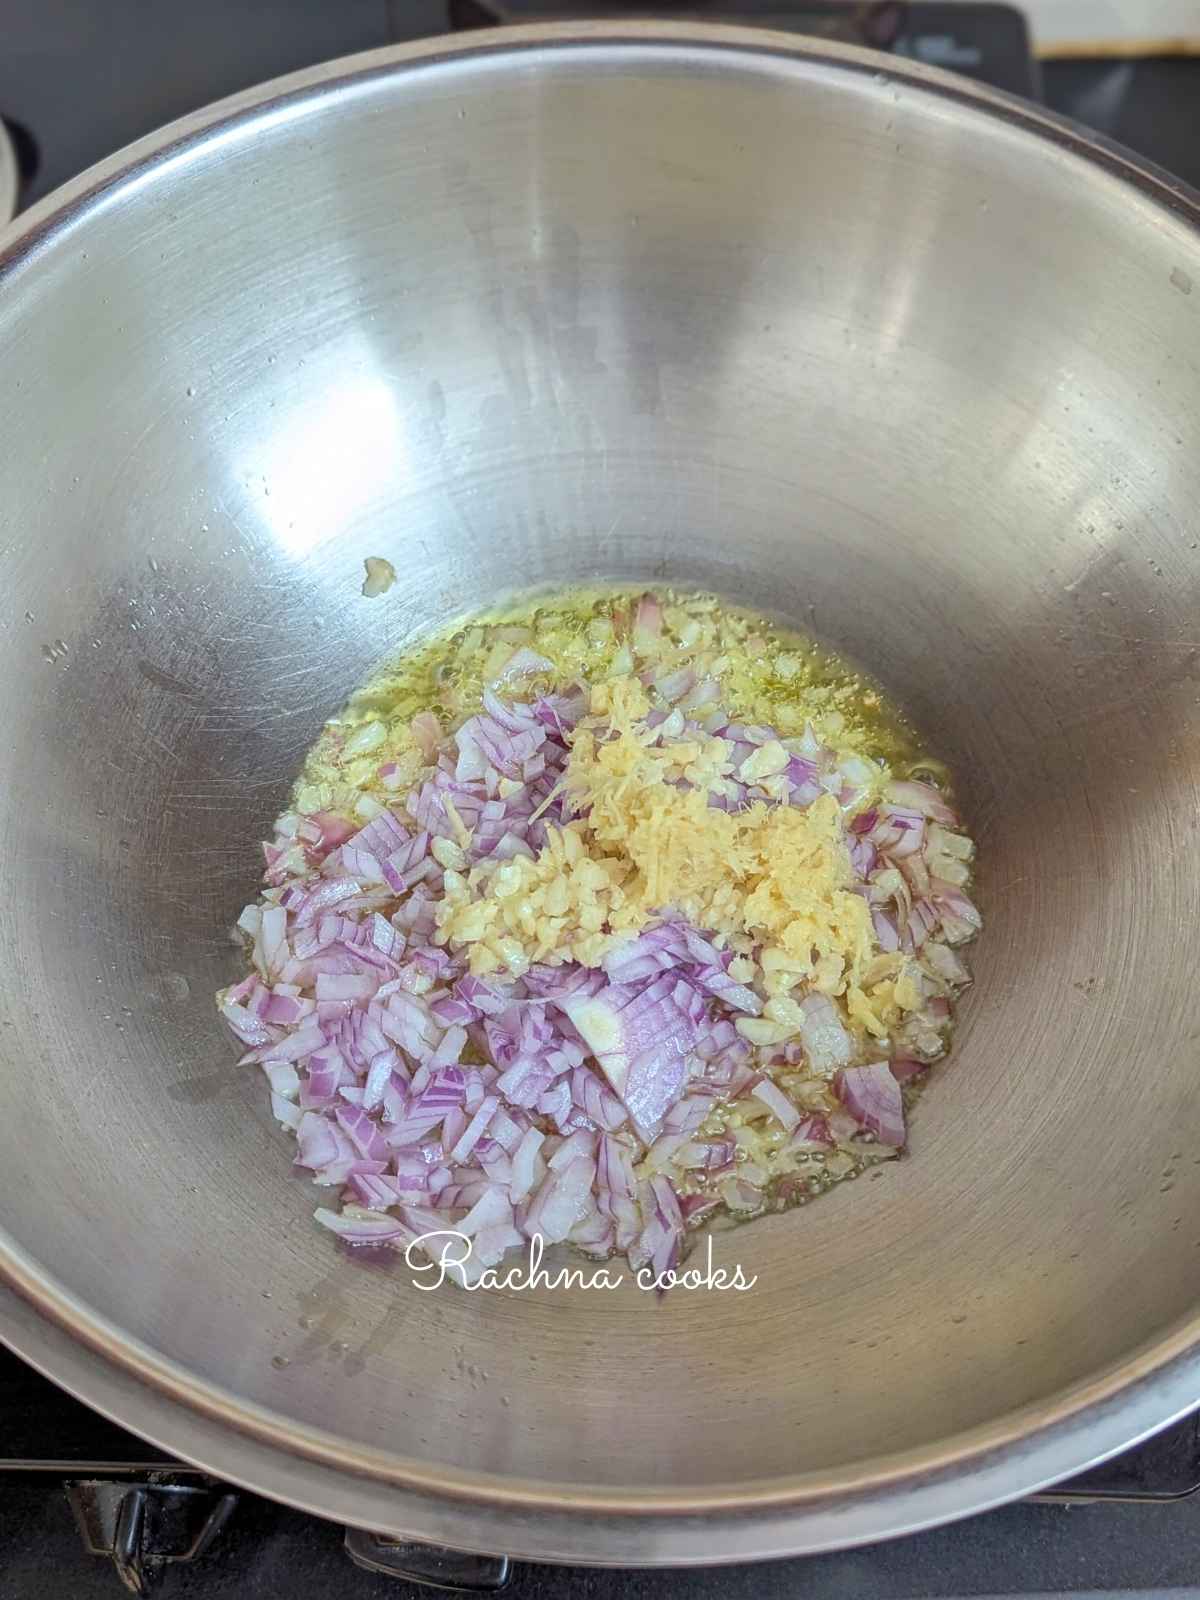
[
  {"x": 610, "y": 1107},
  {"x": 381, "y": 575},
  {"x": 871, "y": 1095},
  {"x": 780, "y": 1107}
]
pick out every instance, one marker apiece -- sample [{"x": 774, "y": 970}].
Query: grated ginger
[
  {"x": 770, "y": 882},
  {"x": 773, "y": 880}
]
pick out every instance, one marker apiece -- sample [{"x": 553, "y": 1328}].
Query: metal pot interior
[{"x": 852, "y": 349}]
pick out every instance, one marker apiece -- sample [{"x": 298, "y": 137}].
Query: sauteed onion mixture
[{"x": 598, "y": 918}]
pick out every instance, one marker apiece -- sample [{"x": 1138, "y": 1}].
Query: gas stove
[
  {"x": 78, "y": 81},
  {"x": 86, "y": 1506},
  {"x": 84, "y": 1501},
  {"x": 981, "y": 40}
]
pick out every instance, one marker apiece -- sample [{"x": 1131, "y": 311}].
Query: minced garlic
[
  {"x": 646, "y": 833},
  {"x": 764, "y": 674},
  {"x": 646, "y": 840}
]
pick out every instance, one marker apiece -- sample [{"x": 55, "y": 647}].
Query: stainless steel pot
[
  {"x": 906, "y": 362},
  {"x": 9, "y": 176}
]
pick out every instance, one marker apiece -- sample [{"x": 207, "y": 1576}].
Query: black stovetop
[
  {"x": 78, "y": 80},
  {"x": 1130, "y": 1527}
]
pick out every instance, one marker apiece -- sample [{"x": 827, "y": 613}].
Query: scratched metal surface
[{"x": 849, "y": 346}]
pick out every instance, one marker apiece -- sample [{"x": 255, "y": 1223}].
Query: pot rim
[
  {"x": 1004, "y": 1459},
  {"x": 9, "y": 177}
]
